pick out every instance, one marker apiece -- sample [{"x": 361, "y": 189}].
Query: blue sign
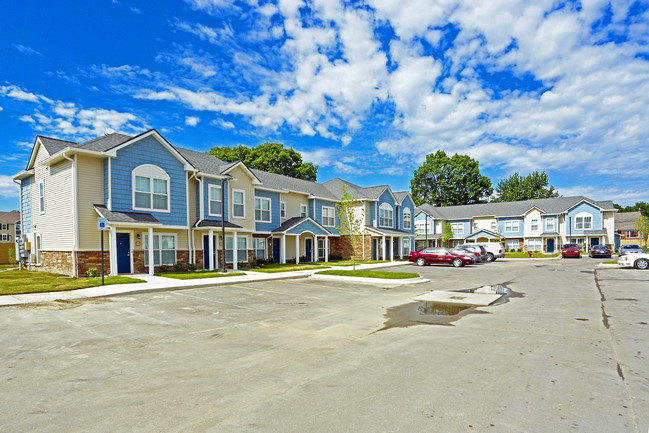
[{"x": 102, "y": 224}]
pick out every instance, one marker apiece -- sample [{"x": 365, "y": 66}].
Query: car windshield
[
  {"x": 459, "y": 251},
  {"x": 630, "y": 246},
  {"x": 600, "y": 247},
  {"x": 571, "y": 246}
]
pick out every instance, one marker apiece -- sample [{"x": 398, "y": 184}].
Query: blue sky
[{"x": 363, "y": 89}]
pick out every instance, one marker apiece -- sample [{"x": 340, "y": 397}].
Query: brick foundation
[
  {"x": 342, "y": 246},
  {"x": 92, "y": 259},
  {"x": 182, "y": 256},
  {"x": 59, "y": 262}
]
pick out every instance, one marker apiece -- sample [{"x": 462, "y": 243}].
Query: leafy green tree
[
  {"x": 350, "y": 222},
  {"x": 449, "y": 181},
  {"x": 516, "y": 187},
  {"x": 447, "y": 234},
  {"x": 641, "y": 206},
  {"x": 643, "y": 228},
  {"x": 270, "y": 157}
]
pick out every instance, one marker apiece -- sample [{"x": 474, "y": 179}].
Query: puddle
[{"x": 440, "y": 313}]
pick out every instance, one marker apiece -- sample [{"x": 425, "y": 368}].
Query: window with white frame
[
  {"x": 407, "y": 219},
  {"x": 242, "y": 249},
  {"x": 457, "y": 228},
  {"x": 534, "y": 224},
  {"x": 262, "y": 209},
  {"x": 321, "y": 247},
  {"x": 457, "y": 243},
  {"x": 238, "y": 203},
  {"x": 5, "y": 227},
  {"x": 164, "y": 250},
  {"x": 386, "y": 215},
  {"x": 535, "y": 244},
  {"x": 578, "y": 241},
  {"x": 423, "y": 227},
  {"x": 328, "y": 218},
  {"x": 549, "y": 225},
  {"x": 5, "y": 237},
  {"x": 406, "y": 247},
  {"x": 475, "y": 226},
  {"x": 494, "y": 226},
  {"x": 38, "y": 240},
  {"x": 216, "y": 206},
  {"x": 259, "y": 248},
  {"x": 512, "y": 244},
  {"x": 631, "y": 234},
  {"x": 303, "y": 210},
  {"x": 282, "y": 209},
  {"x": 150, "y": 188},
  {"x": 583, "y": 222},
  {"x": 41, "y": 196},
  {"x": 511, "y": 226}
]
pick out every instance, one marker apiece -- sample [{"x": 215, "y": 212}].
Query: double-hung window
[
  {"x": 511, "y": 226},
  {"x": 494, "y": 226},
  {"x": 216, "y": 206},
  {"x": 164, "y": 250},
  {"x": 262, "y": 209},
  {"x": 5, "y": 226},
  {"x": 386, "y": 216},
  {"x": 38, "y": 241},
  {"x": 302, "y": 210},
  {"x": 41, "y": 197},
  {"x": 511, "y": 244},
  {"x": 407, "y": 219},
  {"x": 6, "y": 237},
  {"x": 535, "y": 244},
  {"x": 458, "y": 228},
  {"x": 242, "y": 249},
  {"x": 583, "y": 222},
  {"x": 259, "y": 248},
  {"x": 282, "y": 209},
  {"x": 475, "y": 226},
  {"x": 549, "y": 225},
  {"x": 328, "y": 218},
  {"x": 238, "y": 203},
  {"x": 150, "y": 188},
  {"x": 406, "y": 247},
  {"x": 321, "y": 248},
  {"x": 535, "y": 225}
]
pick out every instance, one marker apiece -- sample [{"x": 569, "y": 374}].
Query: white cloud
[
  {"x": 27, "y": 50},
  {"x": 17, "y": 93},
  {"x": 1, "y": 108},
  {"x": 192, "y": 120},
  {"x": 26, "y": 119},
  {"x": 222, "y": 123},
  {"x": 7, "y": 187}
]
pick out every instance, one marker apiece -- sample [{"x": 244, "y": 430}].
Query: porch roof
[
  {"x": 138, "y": 218},
  {"x": 215, "y": 223},
  {"x": 389, "y": 232},
  {"x": 594, "y": 232},
  {"x": 291, "y": 224}
]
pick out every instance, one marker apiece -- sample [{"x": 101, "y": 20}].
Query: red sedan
[
  {"x": 438, "y": 255},
  {"x": 571, "y": 250}
]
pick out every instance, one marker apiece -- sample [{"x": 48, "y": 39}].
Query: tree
[
  {"x": 516, "y": 188},
  {"x": 445, "y": 181},
  {"x": 270, "y": 157},
  {"x": 447, "y": 234},
  {"x": 639, "y": 206},
  {"x": 643, "y": 228},
  {"x": 350, "y": 222}
]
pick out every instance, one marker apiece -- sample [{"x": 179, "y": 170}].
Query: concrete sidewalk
[{"x": 154, "y": 283}]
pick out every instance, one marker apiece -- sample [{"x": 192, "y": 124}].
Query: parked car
[
  {"x": 630, "y": 248},
  {"x": 427, "y": 256},
  {"x": 570, "y": 250},
  {"x": 600, "y": 251},
  {"x": 638, "y": 261},
  {"x": 464, "y": 252},
  {"x": 495, "y": 250},
  {"x": 475, "y": 248}
]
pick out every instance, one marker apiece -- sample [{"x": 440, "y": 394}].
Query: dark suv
[{"x": 600, "y": 251}]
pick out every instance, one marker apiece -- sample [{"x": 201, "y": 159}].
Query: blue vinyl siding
[
  {"x": 206, "y": 198},
  {"x": 318, "y": 214},
  {"x": 106, "y": 182},
  {"x": 387, "y": 198},
  {"x": 311, "y": 209},
  {"x": 466, "y": 224},
  {"x": 149, "y": 151},
  {"x": 407, "y": 204},
  {"x": 26, "y": 205},
  {"x": 274, "y": 211},
  {"x": 501, "y": 227},
  {"x": 556, "y": 223},
  {"x": 421, "y": 216},
  {"x": 307, "y": 226},
  {"x": 588, "y": 208}
]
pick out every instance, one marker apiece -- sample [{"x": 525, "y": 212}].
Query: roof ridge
[{"x": 57, "y": 139}]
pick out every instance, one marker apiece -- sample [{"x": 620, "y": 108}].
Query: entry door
[
  {"x": 375, "y": 249},
  {"x": 387, "y": 249},
  {"x": 550, "y": 246},
  {"x": 594, "y": 241},
  {"x": 276, "y": 249},
  {"x": 123, "y": 253},
  {"x": 307, "y": 247}
]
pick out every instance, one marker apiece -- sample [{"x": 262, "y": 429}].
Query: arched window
[
  {"x": 407, "y": 219},
  {"x": 150, "y": 188},
  {"x": 386, "y": 216}
]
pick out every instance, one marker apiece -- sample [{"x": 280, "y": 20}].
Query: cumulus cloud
[
  {"x": 7, "y": 187},
  {"x": 192, "y": 120},
  {"x": 16, "y": 92}
]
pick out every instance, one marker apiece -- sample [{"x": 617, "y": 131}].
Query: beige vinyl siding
[
  {"x": 242, "y": 182},
  {"x": 90, "y": 191},
  {"x": 293, "y": 202},
  {"x": 368, "y": 213},
  {"x": 193, "y": 187},
  {"x": 56, "y": 225}
]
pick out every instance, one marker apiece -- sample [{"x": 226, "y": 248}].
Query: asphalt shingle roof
[
  {"x": 217, "y": 224},
  {"x": 281, "y": 182},
  {"x": 54, "y": 145},
  {"x": 9, "y": 217},
  {"x": 626, "y": 220},
  {"x": 126, "y": 217}
]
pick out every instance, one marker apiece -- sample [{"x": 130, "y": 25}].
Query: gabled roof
[
  {"x": 296, "y": 221},
  {"x": 291, "y": 184},
  {"x": 401, "y": 195},
  {"x": 627, "y": 220},
  {"x": 10, "y": 217},
  {"x": 216, "y": 223},
  {"x": 335, "y": 186}
]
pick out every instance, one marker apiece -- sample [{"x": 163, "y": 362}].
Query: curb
[{"x": 363, "y": 280}]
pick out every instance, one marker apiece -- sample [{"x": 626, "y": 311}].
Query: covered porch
[
  {"x": 208, "y": 238},
  {"x": 300, "y": 237},
  {"x": 388, "y": 244}
]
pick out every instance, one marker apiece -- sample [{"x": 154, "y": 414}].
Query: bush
[
  {"x": 191, "y": 267},
  {"x": 519, "y": 250},
  {"x": 163, "y": 268},
  {"x": 335, "y": 257},
  {"x": 179, "y": 267},
  {"x": 92, "y": 272},
  {"x": 270, "y": 261},
  {"x": 253, "y": 263},
  {"x": 305, "y": 259}
]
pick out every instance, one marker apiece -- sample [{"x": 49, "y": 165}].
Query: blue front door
[
  {"x": 307, "y": 247},
  {"x": 123, "y": 253},
  {"x": 276, "y": 249},
  {"x": 375, "y": 249},
  {"x": 206, "y": 252},
  {"x": 550, "y": 248},
  {"x": 594, "y": 241}
]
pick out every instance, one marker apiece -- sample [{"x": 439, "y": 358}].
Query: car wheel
[
  {"x": 490, "y": 257},
  {"x": 458, "y": 263},
  {"x": 641, "y": 264},
  {"x": 562, "y": 256},
  {"x": 421, "y": 261}
]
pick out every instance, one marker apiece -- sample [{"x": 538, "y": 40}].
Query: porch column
[
  {"x": 383, "y": 247},
  {"x": 151, "y": 264},
  {"x": 326, "y": 248},
  {"x": 282, "y": 249},
  {"x": 297, "y": 249},
  {"x": 235, "y": 256},
  {"x": 210, "y": 250},
  {"x": 314, "y": 249},
  {"x": 112, "y": 258},
  {"x": 392, "y": 248}
]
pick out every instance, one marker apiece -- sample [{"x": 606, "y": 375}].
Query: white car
[
  {"x": 495, "y": 250},
  {"x": 636, "y": 260}
]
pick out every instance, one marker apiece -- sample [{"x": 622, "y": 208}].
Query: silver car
[
  {"x": 482, "y": 253},
  {"x": 464, "y": 252},
  {"x": 630, "y": 248}
]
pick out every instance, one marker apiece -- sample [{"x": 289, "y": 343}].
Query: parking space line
[
  {"x": 320, "y": 286},
  {"x": 272, "y": 291},
  {"x": 216, "y": 302},
  {"x": 128, "y": 310},
  {"x": 99, "y": 334}
]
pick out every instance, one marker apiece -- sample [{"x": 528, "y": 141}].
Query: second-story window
[
  {"x": 262, "y": 209},
  {"x": 238, "y": 203},
  {"x": 407, "y": 219},
  {"x": 282, "y": 209},
  {"x": 5, "y": 226},
  {"x": 386, "y": 215},
  {"x": 549, "y": 225},
  {"x": 458, "y": 228},
  {"x": 494, "y": 226},
  {"x": 215, "y": 200},
  {"x": 328, "y": 218},
  {"x": 535, "y": 225},
  {"x": 41, "y": 196},
  {"x": 511, "y": 226},
  {"x": 150, "y": 188},
  {"x": 475, "y": 226},
  {"x": 583, "y": 222},
  {"x": 302, "y": 210}
]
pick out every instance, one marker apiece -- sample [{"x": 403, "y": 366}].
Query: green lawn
[
  {"x": 371, "y": 274},
  {"x": 610, "y": 262},
  {"x": 271, "y": 269},
  {"x": 16, "y": 282},
  {"x": 196, "y": 275},
  {"x": 349, "y": 262},
  {"x": 2, "y": 267},
  {"x": 535, "y": 255}
]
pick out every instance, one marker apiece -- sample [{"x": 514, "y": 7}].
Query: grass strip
[
  {"x": 610, "y": 262},
  {"x": 535, "y": 255},
  {"x": 271, "y": 269},
  {"x": 19, "y": 282},
  {"x": 196, "y": 275},
  {"x": 371, "y": 274}
]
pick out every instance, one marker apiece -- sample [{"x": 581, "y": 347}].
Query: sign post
[{"x": 102, "y": 225}]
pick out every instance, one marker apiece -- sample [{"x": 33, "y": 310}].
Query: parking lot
[{"x": 568, "y": 352}]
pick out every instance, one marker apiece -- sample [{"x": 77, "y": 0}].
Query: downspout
[
  {"x": 75, "y": 214},
  {"x": 234, "y": 247},
  {"x": 190, "y": 236}
]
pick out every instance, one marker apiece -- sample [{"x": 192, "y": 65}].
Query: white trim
[
  {"x": 209, "y": 200},
  {"x": 386, "y": 207},
  {"x": 159, "y": 234},
  {"x": 270, "y": 210},
  {"x": 518, "y": 226},
  {"x": 306, "y": 209},
  {"x": 242, "y": 191},
  {"x": 131, "y": 241},
  {"x": 554, "y": 224},
  {"x": 235, "y": 237},
  {"x": 151, "y": 172},
  {"x": 333, "y": 215},
  {"x": 406, "y": 211},
  {"x": 41, "y": 205},
  {"x": 583, "y": 215},
  {"x": 255, "y": 179},
  {"x": 202, "y": 198},
  {"x": 109, "y": 201},
  {"x": 282, "y": 210}
]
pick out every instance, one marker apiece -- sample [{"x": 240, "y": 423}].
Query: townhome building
[
  {"x": 9, "y": 230},
  {"x": 166, "y": 205},
  {"x": 530, "y": 225},
  {"x": 626, "y": 231}
]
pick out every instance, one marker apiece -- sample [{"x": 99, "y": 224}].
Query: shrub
[
  {"x": 92, "y": 272},
  {"x": 12, "y": 255},
  {"x": 191, "y": 267},
  {"x": 305, "y": 259},
  {"x": 179, "y": 267},
  {"x": 270, "y": 261},
  {"x": 163, "y": 268},
  {"x": 519, "y": 250},
  {"x": 253, "y": 263},
  {"x": 335, "y": 257},
  {"x": 242, "y": 265}
]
